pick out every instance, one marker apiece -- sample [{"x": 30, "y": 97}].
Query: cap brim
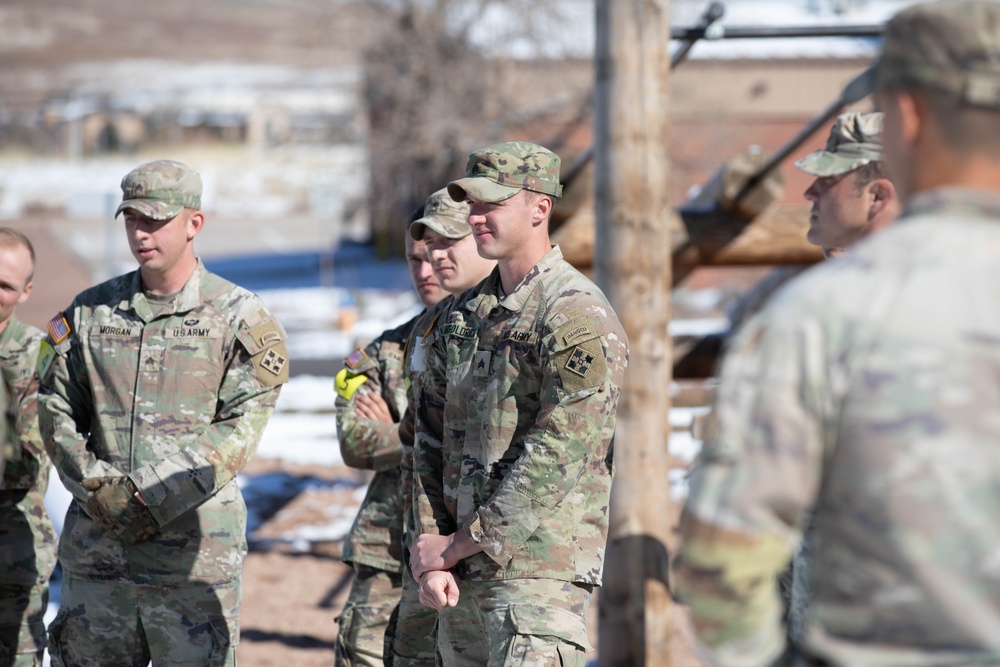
[
  {"x": 825, "y": 163},
  {"x": 151, "y": 208},
  {"x": 439, "y": 226},
  {"x": 482, "y": 189}
]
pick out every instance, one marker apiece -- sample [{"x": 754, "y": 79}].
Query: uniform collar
[
  {"x": 187, "y": 299},
  {"x": 9, "y": 336},
  {"x": 489, "y": 290}
]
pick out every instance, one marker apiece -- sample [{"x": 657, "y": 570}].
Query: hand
[
  {"x": 439, "y": 589},
  {"x": 439, "y": 552},
  {"x": 370, "y": 405},
  {"x": 116, "y": 505}
]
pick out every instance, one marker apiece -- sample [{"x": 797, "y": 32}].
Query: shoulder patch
[
  {"x": 264, "y": 339},
  {"x": 577, "y": 332},
  {"x": 58, "y": 329},
  {"x": 355, "y": 358},
  {"x": 272, "y": 365},
  {"x": 582, "y": 366},
  {"x": 46, "y": 355},
  {"x": 346, "y": 383}
]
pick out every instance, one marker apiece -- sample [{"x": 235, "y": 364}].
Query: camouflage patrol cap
[
  {"x": 161, "y": 189},
  {"x": 855, "y": 140},
  {"x": 500, "y": 171},
  {"x": 444, "y": 215},
  {"x": 948, "y": 46}
]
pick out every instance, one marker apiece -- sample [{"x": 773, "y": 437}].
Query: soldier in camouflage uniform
[
  {"x": 458, "y": 266},
  {"x": 513, "y": 449},
  {"x": 371, "y": 399},
  {"x": 155, "y": 389},
  {"x": 867, "y": 390},
  {"x": 852, "y": 195},
  {"x": 27, "y": 539}
]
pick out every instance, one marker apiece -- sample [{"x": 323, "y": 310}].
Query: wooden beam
[
  {"x": 776, "y": 237},
  {"x": 632, "y": 264}
]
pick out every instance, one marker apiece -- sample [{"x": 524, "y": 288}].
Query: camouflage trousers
[
  {"x": 361, "y": 636},
  {"x": 411, "y": 639},
  {"x": 103, "y": 623},
  {"x": 529, "y": 622},
  {"x": 22, "y": 625}
]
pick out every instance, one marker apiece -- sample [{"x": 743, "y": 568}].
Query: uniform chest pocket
[
  {"x": 461, "y": 353},
  {"x": 190, "y": 356},
  {"x": 116, "y": 343},
  {"x": 516, "y": 366}
]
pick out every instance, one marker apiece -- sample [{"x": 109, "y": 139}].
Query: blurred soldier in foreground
[
  {"x": 868, "y": 389},
  {"x": 155, "y": 389},
  {"x": 444, "y": 229},
  {"x": 371, "y": 399},
  {"x": 513, "y": 444},
  {"x": 27, "y": 539}
]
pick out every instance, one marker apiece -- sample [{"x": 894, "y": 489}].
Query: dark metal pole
[
  {"x": 755, "y": 32},
  {"x": 853, "y": 92}
]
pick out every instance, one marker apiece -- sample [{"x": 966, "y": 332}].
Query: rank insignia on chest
[
  {"x": 579, "y": 362},
  {"x": 481, "y": 366},
  {"x": 58, "y": 329},
  {"x": 273, "y": 362},
  {"x": 356, "y": 357}
]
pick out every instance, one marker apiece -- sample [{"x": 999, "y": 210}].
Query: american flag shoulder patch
[
  {"x": 356, "y": 357},
  {"x": 58, "y": 329}
]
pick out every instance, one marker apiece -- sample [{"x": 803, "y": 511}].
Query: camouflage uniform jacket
[
  {"x": 376, "y": 536},
  {"x": 27, "y": 539},
  {"x": 869, "y": 390},
  {"x": 177, "y": 401},
  {"x": 414, "y": 365},
  {"x": 515, "y": 425}
]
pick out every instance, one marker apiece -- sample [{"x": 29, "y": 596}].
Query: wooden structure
[{"x": 633, "y": 266}]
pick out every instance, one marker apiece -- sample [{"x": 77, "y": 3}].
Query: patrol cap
[
  {"x": 444, "y": 215},
  {"x": 161, "y": 189},
  {"x": 500, "y": 171},
  {"x": 949, "y": 46},
  {"x": 855, "y": 140}
]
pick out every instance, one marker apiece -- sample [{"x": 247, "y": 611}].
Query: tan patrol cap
[
  {"x": 951, "y": 46},
  {"x": 161, "y": 189},
  {"x": 444, "y": 215},
  {"x": 855, "y": 140}
]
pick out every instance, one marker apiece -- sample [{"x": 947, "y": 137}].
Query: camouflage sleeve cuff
[{"x": 493, "y": 543}]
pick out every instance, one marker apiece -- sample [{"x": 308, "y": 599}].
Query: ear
[
  {"x": 195, "y": 222},
  {"x": 912, "y": 118},
  {"x": 25, "y": 294},
  {"x": 884, "y": 206},
  {"x": 541, "y": 210}
]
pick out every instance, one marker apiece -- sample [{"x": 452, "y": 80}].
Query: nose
[
  {"x": 812, "y": 192},
  {"x": 476, "y": 217},
  {"x": 436, "y": 254},
  {"x": 426, "y": 270}
]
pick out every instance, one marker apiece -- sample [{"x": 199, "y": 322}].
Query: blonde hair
[{"x": 11, "y": 238}]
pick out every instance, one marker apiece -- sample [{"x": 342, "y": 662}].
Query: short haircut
[
  {"x": 11, "y": 238},
  {"x": 867, "y": 173},
  {"x": 966, "y": 129}
]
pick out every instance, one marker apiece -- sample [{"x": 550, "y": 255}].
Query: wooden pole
[{"x": 632, "y": 264}]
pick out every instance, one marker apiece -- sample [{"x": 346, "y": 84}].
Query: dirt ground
[{"x": 292, "y": 590}]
